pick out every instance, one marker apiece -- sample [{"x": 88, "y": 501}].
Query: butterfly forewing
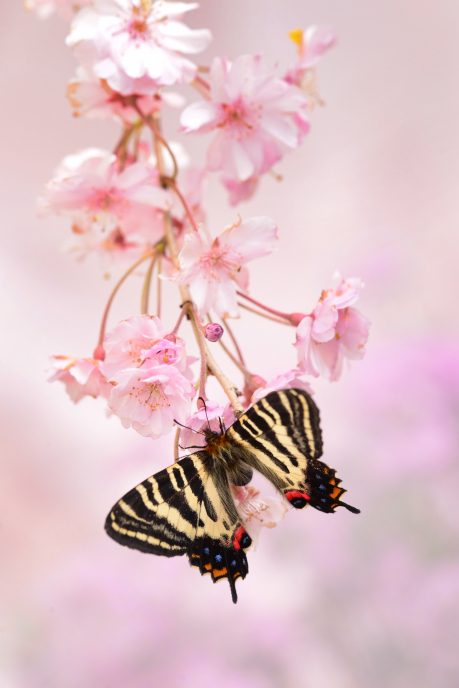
[{"x": 282, "y": 437}]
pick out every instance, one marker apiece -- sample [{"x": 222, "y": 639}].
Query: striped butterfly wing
[
  {"x": 282, "y": 439},
  {"x": 186, "y": 508}
]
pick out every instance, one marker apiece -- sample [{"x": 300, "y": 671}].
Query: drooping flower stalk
[{"x": 128, "y": 272}]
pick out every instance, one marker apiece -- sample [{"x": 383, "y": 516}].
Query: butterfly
[{"x": 188, "y": 508}]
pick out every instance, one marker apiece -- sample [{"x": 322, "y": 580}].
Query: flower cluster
[{"x": 140, "y": 203}]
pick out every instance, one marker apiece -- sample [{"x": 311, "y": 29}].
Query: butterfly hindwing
[
  {"x": 282, "y": 437},
  {"x": 186, "y": 508}
]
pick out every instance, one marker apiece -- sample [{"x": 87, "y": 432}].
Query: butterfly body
[{"x": 188, "y": 507}]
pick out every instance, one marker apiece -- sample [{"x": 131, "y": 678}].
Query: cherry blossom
[
  {"x": 257, "y": 511},
  {"x": 240, "y": 191},
  {"x": 89, "y": 187},
  {"x": 150, "y": 399},
  {"x": 135, "y": 45},
  {"x": 292, "y": 379},
  {"x": 312, "y": 43},
  {"x": 206, "y": 417},
  {"x": 257, "y": 116},
  {"x": 92, "y": 97},
  {"x": 142, "y": 341},
  {"x": 214, "y": 270},
  {"x": 332, "y": 332},
  {"x": 81, "y": 377}
]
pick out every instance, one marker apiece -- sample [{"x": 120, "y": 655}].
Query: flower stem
[
  {"x": 176, "y": 444},
  {"x": 146, "y": 286},
  {"x": 229, "y": 387},
  {"x": 158, "y": 137},
  {"x": 113, "y": 294},
  {"x": 233, "y": 338},
  {"x": 159, "y": 285},
  {"x": 202, "y": 87},
  {"x": 172, "y": 183},
  {"x": 263, "y": 315},
  {"x": 236, "y": 362},
  {"x": 266, "y": 308}
]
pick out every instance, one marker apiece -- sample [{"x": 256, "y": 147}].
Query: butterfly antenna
[
  {"x": 205, "y": 410},
  {"x": 198, "y": 432},
  {"x": 222, "y": 425}
]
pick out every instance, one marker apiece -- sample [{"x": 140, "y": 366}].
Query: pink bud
[
  {"x": 296, "y": 318},
  {"x": 213, "y": 332},
  {"x": 99, "y": 353}
]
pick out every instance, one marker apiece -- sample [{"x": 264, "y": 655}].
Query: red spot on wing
[
  {"x": 237, "y": 537},
  {"x": 295, "y": 493}
]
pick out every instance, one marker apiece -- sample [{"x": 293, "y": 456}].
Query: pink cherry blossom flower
[
  {"x": 207, "y": 417},
  {"x": 135, "y": 45},
  {"x": 214, "y": 270},
  {"x": 240, "y": 191},
  {"x": 332, "y": 332},
  {"x": 257, "y": 117},
  {"x": 257, "y": 511},
  {"x": 311, "y": 43},
  {"x": 149, "y": 399},
  {"x": 292, "y": 379},
  {"x": 141, "y": 341},
  {"x": 81, "y": 377},
  {"x": 90, "y": 96},
  {"x": 112, "y": 248},
  {"x": 89, "y": 187}
]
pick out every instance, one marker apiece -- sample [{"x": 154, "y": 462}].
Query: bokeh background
[{"x": 331, "y": 601}]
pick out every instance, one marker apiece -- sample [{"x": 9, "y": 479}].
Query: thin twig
[
  {"x": 158, "y": 137},
  {"x": 263, "y": 315},
  {"x": 234, "y": 340},
  {"x": 159, "y": 285},
  {"x": 117, "y": 286},
  {"x": 262, "y": 305},
  {"x": 146, "y": 286},
  {"x": 241, "y": 367}
]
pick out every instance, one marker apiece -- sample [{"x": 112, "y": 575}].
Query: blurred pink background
[{"x": 331, "y": 601}]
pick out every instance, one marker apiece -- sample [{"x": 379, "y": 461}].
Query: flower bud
[
  {"x": 213, "y": 332},
  {"x": 99, "y": 353},
  {"x": 296, "y": 318}
]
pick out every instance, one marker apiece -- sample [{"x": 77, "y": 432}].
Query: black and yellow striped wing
[
  {"x": 186, "y": 508},
  {"x": 282, "y": 439}
]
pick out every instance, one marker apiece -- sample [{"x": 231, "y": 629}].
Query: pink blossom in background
[
  {"x": 257, "y": 116},
  {"x": 292, "y": 379},
  {"x": 207, "y": 417},
  {"x": 258, "y": 511},
  {"x": 141, "y": 341},
  {"x": 89, "y": 187},
  {"x": 90, "y": 96},
  {"x": 312, "y": 43},
  {"x": 332, "y": 332},
  {"x": 150, "y": 399},
  {"x": 81, "y": 377},
  {"x": 240, "y": 191},
  {"x": 214, "y": 270},
  {"x": 135, "y": 46}
]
